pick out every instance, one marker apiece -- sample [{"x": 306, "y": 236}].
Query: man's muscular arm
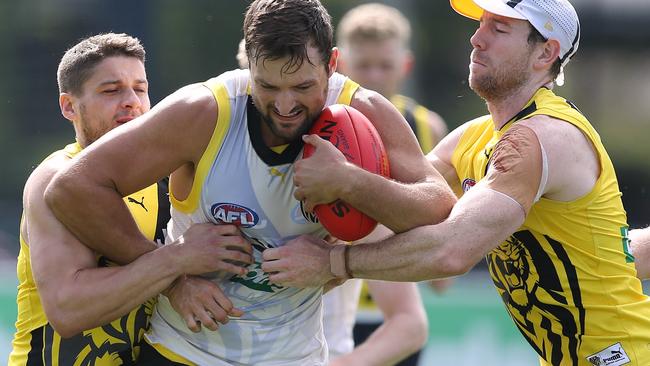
[
  {"x": 87, "y": 195},
  {"x": 77, "y": 295},
  {"x": 483, "y": 218},
  {"x": 417, "y": 194}
]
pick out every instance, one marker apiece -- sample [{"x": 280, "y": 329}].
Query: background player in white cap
[{"x": 541, "y": 202}]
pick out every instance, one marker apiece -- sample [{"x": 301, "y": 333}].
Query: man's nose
[
  {"x": 285, "y": 102},
  {"x": 131, "y": 99}
]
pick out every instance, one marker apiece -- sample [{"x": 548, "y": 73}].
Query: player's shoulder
[
  {"x": 204, "y": 92},
  {"x": 45, "y": 171},
  {"x": 193, "y": 94},
  {"x": 191, "y": 104},
  {"x": 367, "y": 98},
  {"x": 551, "y": 130},
  {"x": 372, "y": 104}
]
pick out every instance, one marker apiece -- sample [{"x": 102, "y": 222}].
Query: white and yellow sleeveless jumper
[{"x": 240, "y": 180}]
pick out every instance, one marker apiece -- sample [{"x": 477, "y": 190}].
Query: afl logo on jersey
[
  {"x": 468, "y": 183},
  {"x": 230, "y": 213}
]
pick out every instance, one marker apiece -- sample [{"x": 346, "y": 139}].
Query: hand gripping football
[{"x": 356, "y": 137}]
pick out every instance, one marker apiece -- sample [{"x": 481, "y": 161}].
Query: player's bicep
[
  {"x": 516, "y": 167},
  {"x": 447, "y": 171},
  {"x": 55, "y": 254},
  {"x": 441, "y": 157},
  {"x": 133, "y": 156},
  {"x": 407, "y": 163}
]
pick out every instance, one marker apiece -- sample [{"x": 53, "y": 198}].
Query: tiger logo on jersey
[
  {"x": 116, "y": 343},
  {"x": 523, "y": 274}
]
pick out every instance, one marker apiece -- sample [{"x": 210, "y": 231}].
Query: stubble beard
[
  {"x": 90, "y": 133},
  {"x": 287, "y": 136},
  {"x": 278, "y": 132},
  {"x": 502, "y": 83}
]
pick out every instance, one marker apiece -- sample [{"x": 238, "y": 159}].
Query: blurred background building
[{"x": 191, "y": 41}]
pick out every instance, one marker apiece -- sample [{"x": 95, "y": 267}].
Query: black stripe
[
  {"x": 522, "y": 114},
  {"x": 549, "y": 279},
  {"x": 268, "y": 156},
  {"x": 35, "y": 355},
  {"x": 48, "y": 340},
  {"x": 550, "y": 283},
  {"x": 572, "y": 277},
  {"x": 572, "y": 50},
  {"x": 149, "y": 356},
  {"x": 556, "y": 341},
  {"x": 573, "y": 106},
  {"x": 513, "y": 3},
  {"x": 163, "y": 215},
  {"x": 519, "y": 116}
]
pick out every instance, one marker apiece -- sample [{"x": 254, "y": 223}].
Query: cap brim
[{"x": 474, "y": 8}]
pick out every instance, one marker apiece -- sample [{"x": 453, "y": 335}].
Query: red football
[{"x": 355, "y": 136}]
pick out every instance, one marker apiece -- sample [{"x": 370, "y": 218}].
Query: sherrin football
[{"x": 355, "y": 136}]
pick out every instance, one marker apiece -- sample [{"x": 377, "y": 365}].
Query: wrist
[
  {"x": 339, "y": 262},
  {"x": 167, "y": 292},
  {"x": 347, "y": 181},
  {"x": 173, "y": 259}
]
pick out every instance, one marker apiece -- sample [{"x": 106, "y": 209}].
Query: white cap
[{"x": 554, "y": 19}]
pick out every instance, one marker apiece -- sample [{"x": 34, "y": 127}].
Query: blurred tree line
[{"x": 191, "y": 41}]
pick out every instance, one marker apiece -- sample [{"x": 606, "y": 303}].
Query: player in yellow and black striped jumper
[
  {"x": 541, "y": 201},
  {"x": 75, "y": 307}
]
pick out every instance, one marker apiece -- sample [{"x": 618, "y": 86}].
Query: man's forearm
[
  {"x": 399, "y": 206},
  {"x": 480, "y": 220},
  {"x": 402, "y": 257},
  {"x": 112, "y": 291}
]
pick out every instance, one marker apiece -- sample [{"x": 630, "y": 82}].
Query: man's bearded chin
[{"x": 293, "y": 135}]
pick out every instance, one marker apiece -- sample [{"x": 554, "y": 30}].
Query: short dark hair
[
  {"x": 535, "y": 37},
  {"x": 274, "y": 29},
  {"x": 78, "y": 62}
]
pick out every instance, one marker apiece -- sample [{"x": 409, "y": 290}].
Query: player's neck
[
  {"x": 270, "y": 139},
  {"x": 503, "y": 109}
]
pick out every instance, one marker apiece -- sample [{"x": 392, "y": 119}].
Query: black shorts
[{"x": 150, "y": 357}]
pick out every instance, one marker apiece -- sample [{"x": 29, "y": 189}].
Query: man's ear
[
  {"x": 66, "y": 104},
  {"x": 409, "y": 62},
  {"x": 550, "y": 51},
  {"x": 333, "y": 62}
]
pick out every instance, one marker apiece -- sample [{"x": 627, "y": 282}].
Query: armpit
[{"x": 516, "y": 166}]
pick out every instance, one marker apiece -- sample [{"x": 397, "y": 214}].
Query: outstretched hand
[
  {"x": 319, "y": 178},
  {"x": 301, "y": 262}
]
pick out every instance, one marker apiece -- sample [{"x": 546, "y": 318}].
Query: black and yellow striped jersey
[
  {"x": 117, "y": 343},
  {"x": 566, "y": 276}
]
